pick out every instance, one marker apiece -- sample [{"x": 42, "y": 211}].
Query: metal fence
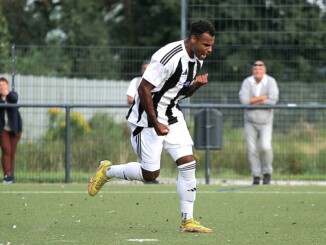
[
  {"x": 71, "y": 147},
  {"x": 53, "y": 80},
  {"x": 226, "y": 64},
  {"x": 101, "y": 132}
]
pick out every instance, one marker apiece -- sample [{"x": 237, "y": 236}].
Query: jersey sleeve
[
  {"x": 155, "y": 73},
  {"x": 132, "y": 88}
]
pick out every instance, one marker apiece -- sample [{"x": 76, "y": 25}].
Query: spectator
[
  {"x": 10, "y": 130},
  {"x": 132, "y": 88},
  {"x": 157, "y": 121},
  {"x": 259, "y": 89}
]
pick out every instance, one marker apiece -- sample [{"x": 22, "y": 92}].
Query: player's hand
[
  {"x": 201, "y": 80},
  {"x": 161, "y": 129}
]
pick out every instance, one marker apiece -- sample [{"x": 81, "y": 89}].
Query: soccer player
[{"x": 157, "y": 121}]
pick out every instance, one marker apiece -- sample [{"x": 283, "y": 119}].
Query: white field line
[
  {"x": 142, "y": 240},
  {"x": 165, "y": 192}
]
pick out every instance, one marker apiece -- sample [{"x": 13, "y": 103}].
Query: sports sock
[
  {"x": 128, "y": 171},
  {"x": 187, "y": 188}
]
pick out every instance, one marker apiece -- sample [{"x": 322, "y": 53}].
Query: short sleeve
[
  {"x": 132, "y": 88},
  {"x": 155, "y": 73}
]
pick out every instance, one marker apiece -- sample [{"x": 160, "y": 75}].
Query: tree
[
  {"x": 83, "y": 23},
  {"x": 246, "y": 30},
  {"x": 93, "y": 23},
  {"x": 143, "y": 22},
  {"x": 4, "y": 44},
  {"x": 25, "y": 25},
  {"x": 291, "y": 33}
]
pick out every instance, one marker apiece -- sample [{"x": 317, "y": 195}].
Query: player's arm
[
  {"x": 145, "y": 94},
  {"x": 130, "y": 99},
  {"x": 199, "y": 81}
]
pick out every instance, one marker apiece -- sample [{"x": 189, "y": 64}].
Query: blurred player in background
[
  {"x": 134, "y": 83},
  {"x": 259, "y": 89},
  {"x": 157, "y": 121}
]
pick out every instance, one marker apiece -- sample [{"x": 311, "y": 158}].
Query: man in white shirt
[
  {"x": 157, "y": 121},
  {"x": 134, "y": 83},
  {"x": 259, "y": 89}
]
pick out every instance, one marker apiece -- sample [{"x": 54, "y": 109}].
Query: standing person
[
  {"x": 10, "y": 130},
  {"x": 133, "y": 85},
  {"x": 259, "y": 89},
  {"x": 157, "y": 121}
]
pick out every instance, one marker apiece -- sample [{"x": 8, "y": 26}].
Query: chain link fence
[{"x": 57, "y": 78}]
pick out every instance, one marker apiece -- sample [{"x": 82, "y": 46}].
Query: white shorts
[{"x": 148, "y": 145}]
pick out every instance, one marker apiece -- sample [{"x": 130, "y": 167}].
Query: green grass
[{"x": 65, "y": 214}]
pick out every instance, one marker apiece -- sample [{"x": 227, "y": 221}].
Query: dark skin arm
[
  {"x": 145, "y": 94},
  {"x": 199, "y": 81}
]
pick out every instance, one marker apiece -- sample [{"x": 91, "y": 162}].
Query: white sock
[
  {"x": 128, "y": 171},
  {"x": 187, "y": 188}
]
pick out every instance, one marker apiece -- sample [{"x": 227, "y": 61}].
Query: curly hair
[{"x": 199, "y": 27}]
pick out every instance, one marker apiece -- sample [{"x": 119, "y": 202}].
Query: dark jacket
[{"x": 14, "y": 118}]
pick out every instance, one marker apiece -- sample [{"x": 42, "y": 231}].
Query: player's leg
[
  {"x": 97, "y": 181},
  {"x": 148, "y": 147},
  {"x": 179, "y": 145},
  {"x": 187, "y": 185},
  {"x": 187, "y": 189}
]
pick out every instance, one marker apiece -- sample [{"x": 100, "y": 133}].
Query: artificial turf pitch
[{"x": 149, "y": 214}]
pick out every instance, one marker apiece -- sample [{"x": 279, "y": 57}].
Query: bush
[{"x": 57, "y": 125}]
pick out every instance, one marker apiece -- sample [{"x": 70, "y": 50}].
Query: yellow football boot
[
  {"x": 190, "y": 225},
  {"x": 99, "y": 179}
]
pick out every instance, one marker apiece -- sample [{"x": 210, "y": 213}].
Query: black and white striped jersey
[{"x": 172, "y": 72}]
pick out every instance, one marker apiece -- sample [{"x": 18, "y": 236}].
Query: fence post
[
  {"x": 67, "y": 144},
  {"x": 208, "y": 134},
  {"x": 208, "y": 127}
]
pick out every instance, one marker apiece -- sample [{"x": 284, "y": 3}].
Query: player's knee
[
  {"x": 150, "y": 175},
  {"x": 185, "y": 160}
]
